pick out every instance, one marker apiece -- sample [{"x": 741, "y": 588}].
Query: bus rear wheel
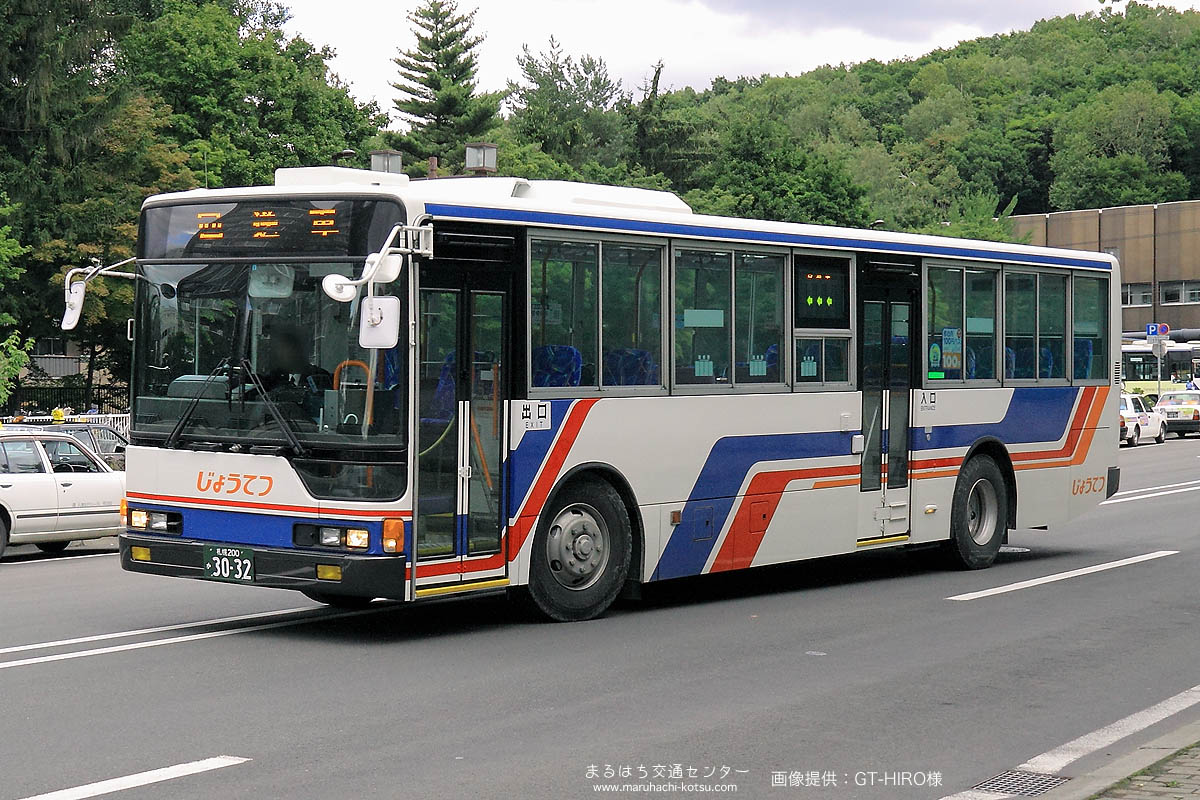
[
  {"x": 978, "y": 514},
  {"x": 581, "y": 552}
]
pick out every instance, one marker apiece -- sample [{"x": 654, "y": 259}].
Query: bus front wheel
[
  {"x": 581, "y": 552},
  {"x": 978, "y": 515}
]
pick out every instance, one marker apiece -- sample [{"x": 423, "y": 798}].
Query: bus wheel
[
  {"x": 580, "y": 552},
  {"x": 979, "y": 514},
  {"x": 337, "y": 600}
]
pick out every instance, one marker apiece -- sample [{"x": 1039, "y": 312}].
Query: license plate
[
  {"x": 233, "y": 564},
  {"x": 1172, "y": 414}
]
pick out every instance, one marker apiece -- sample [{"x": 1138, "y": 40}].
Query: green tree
[
  {"x": 1113, "y": 150},
  {"x": 563, "y": 105},
  {"x": 760, "y": 173},
  {"x": 14, "y": 349},
  {"x": 437, "y": 86}
]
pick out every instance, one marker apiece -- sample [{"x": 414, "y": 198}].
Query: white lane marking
[
  {"x": 1062, "y": 576},
  {"x": 1052, "y": 761},
  {"x": 141, "y": 779},
  {"x": 99, "y": 637},
  {"x": 1155, "y": 488},
  {"x": 194, "y": 637},
  {"x": 56, "y": 559},
  {"x": 1148, "y": 496}
]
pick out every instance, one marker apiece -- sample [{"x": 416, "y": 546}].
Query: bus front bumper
[{"x": 362, "y": 575}]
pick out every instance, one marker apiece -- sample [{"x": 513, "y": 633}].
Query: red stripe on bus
[
  {"x": 548, "y": 475},
  {"x": 758, "y": 506},
  {"x": 312, "y": 511}
]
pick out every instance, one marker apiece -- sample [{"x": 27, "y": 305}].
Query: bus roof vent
[
  {"x": 332, "y": 176},
  {"x": 558, "y": 193}
]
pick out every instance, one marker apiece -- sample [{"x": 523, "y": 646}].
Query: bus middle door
[{"x": 887, "y": 319}]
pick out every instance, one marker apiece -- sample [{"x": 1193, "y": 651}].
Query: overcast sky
[{"x": 696, "y": 39}]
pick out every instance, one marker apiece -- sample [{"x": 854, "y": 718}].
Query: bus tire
[
  {"x": 337, "y": 600},
  {"x": 581, "y": 552},
  {"x": 978, "y": 514}
]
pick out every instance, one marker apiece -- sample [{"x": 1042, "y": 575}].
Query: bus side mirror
[
  {"x": 74, "y": 309},
  {"x": 379, "y": 323}
]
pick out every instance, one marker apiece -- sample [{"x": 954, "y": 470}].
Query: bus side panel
[
  {"x": 946, "y": 423},
  {"x": 1089, "y": 472},
  {"x": 697, "y": 456}
]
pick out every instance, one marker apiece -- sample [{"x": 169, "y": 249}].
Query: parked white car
[
  {"x": 53, "y": 491},
  {"x": 1139, "y": 419}
]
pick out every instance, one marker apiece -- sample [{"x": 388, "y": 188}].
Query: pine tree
[{"x": 437, "y": 83}]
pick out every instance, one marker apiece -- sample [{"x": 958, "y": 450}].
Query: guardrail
[{"x": 118, "y": 422}]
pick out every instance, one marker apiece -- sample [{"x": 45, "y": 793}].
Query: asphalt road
[{"x": 845, "y": 666}]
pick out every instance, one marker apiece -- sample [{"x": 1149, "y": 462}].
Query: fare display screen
[{"x": 268, "y": 227}]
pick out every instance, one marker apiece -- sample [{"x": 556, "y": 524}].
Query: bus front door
[
  {"x": 462, "y": 386},
  {"x": 886, "y": 323}
]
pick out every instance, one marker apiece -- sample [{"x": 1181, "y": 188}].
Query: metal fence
[
  {"x": 118, "y": 422},
  {"x": 39, "y": 400}
]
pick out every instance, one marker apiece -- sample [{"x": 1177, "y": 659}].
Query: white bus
[{"x": 360, "y": 386}]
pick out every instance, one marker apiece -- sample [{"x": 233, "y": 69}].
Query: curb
[{"x": 1082, "y": 787}]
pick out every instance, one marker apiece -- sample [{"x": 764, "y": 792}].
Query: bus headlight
[
  {"x": 139, "y": 518},
  {"x": 331, "y": 537},
  {"x": 357, "y": 538},
  {"x": 158, "y": 521}
]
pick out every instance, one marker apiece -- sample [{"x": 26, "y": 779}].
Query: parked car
[
  {"x": 1139, "y": 419},
  {"x": 1181, "y": 410},
  {"x": 103, "y": 440},
  {"x": 54, "y": 490}
]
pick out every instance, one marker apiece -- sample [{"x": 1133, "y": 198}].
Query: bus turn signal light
[
  {"x": 393, "y": 536},
  {"x": 124, "y": 512}
]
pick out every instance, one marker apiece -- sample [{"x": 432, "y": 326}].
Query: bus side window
[
  {"x": 1090, "y": 327},
  {"x": 564, "y": 319}
]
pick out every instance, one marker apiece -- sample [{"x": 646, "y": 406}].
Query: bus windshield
[{"x": 213, "y": 338}]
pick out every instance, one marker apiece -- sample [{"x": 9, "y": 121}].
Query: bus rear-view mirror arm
[{"x": 75, "y": 287}]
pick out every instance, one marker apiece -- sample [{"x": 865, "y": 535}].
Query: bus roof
[{"x": 616, "y": 209}]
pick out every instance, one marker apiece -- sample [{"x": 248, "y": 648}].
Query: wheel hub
[
  {"x": 577, "y": 546},
  {"x": 983, "y": 512}
]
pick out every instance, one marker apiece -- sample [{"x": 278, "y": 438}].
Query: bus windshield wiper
[
  {"x": 173, "y": 436},
  {"x": 297, "y": 446}
]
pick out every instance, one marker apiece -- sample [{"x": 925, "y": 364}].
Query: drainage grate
[{"x": 1021, "y": 784}]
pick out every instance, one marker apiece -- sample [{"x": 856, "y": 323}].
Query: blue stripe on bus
[
  {"x": 1034, "y": 414},
  {"x": 261, "y": 530},
  {"x": 762, "y": 237},
  {"x": 525, "y": 461},
  {"x": 726, "y": 467}
]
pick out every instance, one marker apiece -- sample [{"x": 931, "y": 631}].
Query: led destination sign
[{"x": 286, "y": 228}]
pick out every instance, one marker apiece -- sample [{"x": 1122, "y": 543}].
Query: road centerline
[
  {"x": 141, "y": 779},
  {"x": 1061, "y": 576}
]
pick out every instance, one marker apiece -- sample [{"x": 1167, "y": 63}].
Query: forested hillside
[{"x": 105, "y": 101}]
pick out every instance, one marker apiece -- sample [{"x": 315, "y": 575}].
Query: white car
[
  {"x": 1181, "y": 409},
  {"x": 53, "y": 491},
  {"x": 1140, "y": 419}
]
